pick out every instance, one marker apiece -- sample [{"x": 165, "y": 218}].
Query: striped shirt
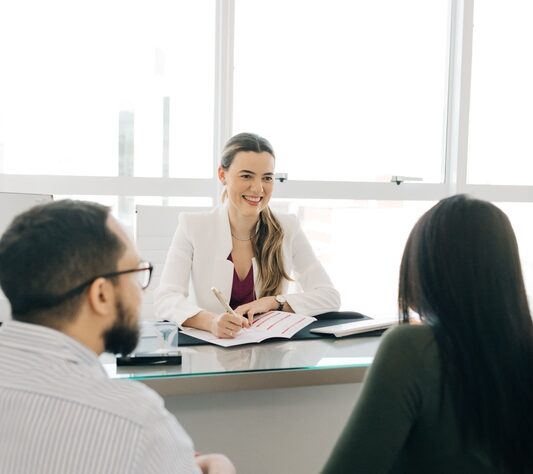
[{"x": 60, "y": 413}]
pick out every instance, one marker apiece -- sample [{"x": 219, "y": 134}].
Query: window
[
  {"x": 344, "y": 90},
  {"x": 123, "y": 207},
  {"x": 127, "y": 102},
  {"x": 107, "y": 88},
  {"x": 500, "y": 149},
  {"x": 360, "y": 243}
]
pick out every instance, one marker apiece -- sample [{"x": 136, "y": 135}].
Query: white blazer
[{"x": 198, "y": 260}]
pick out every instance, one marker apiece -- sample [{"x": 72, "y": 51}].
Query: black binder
[{"x": 325, "y": 319}]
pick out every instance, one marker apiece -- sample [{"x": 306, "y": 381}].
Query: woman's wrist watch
[{"x": 281, "y": 300}]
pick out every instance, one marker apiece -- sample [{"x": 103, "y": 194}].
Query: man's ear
[{"x": 101, "y": 296}]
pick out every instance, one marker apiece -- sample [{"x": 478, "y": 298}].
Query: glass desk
[{"x": 209, "y": 368}]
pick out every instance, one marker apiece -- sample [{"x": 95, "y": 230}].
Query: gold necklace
[{"x": 242, "y": 240}]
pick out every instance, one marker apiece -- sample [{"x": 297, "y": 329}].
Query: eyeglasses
[{"x": 143, "y": 275}]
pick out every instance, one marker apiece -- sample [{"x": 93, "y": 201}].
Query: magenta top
[{"x": 242, "y": 291}]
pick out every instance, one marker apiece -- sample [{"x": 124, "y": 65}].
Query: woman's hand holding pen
[{"x": 227, "y": 325}]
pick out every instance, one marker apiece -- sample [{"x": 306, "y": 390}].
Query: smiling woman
[
  {"x": 244, "y": 249},
  {"x": 248, "y": 177}
]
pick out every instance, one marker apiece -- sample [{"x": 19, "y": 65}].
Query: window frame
[{"x": 460, "y": 28}]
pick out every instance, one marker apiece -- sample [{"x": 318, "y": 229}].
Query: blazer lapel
[
  {"x": 255, "y": 269},
  {"x": 223, "y": 268}
]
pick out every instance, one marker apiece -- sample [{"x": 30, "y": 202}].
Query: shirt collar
[{"x": 46, "y": 342}]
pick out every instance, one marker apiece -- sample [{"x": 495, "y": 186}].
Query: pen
[{"x": 223, "y": 302}]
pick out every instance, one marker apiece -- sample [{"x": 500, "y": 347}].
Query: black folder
[{"x": 325, "y": 319}]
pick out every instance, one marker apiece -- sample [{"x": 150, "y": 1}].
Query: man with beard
[{"x": 74, "y": 280}]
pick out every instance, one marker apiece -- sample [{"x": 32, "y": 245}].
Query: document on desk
[{"x": 265, "y": 326}]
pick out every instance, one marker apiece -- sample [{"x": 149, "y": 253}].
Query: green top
[{"x": 396, "y": 426}]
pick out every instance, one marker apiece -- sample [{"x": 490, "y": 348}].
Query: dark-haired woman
[
  {"x": 453, "y": 395},
  {"x": 242, "y": 248}
]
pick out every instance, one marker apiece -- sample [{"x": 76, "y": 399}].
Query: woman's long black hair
[{"x": 461, "y": 273}]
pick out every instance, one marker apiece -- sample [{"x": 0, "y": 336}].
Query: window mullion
[
  {"x": 225, "y": 26},
  {"x": 460, "y": 66}
]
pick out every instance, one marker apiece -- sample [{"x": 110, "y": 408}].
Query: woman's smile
[{"x": 252, "y": 200}]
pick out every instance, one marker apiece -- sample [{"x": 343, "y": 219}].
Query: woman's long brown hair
[{"x": 267, "y": 241}]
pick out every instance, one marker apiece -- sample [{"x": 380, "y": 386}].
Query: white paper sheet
[{"x": 265, "y": 326}]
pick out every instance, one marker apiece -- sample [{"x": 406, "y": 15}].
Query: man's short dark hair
[{"x": 51, "y": 249}]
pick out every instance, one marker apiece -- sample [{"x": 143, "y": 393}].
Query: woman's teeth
[{"x": 252, "y": 198}]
